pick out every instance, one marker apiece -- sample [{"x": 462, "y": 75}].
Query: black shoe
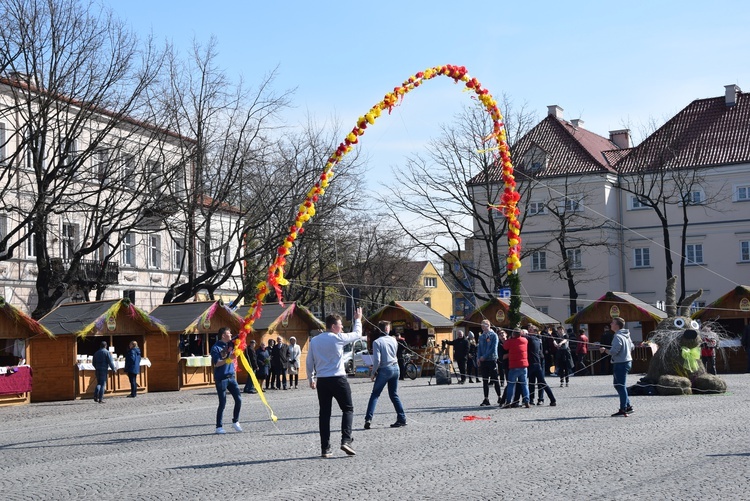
[
  {"x": 539, "y": 402},
  {"x": 398, "y": 424},
  {"x": 553, "y": 403},
  {"x": 326, "y": 453},
  {"x": 471, "y": 380},
  {"x": 531, "y": 402},
  {"x": 484, "y": 403},
  {"x": 347, "y": 447},
  {"x": 130, "y": 396},
  {"x": 629, "y": 409},
  {"x": 526, "y": 405},
  {"x": 367, "y": 425},
  {"x": 621, "y": 412}
]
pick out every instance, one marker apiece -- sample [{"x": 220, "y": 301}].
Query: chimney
[
  {"x": 577, "y": 123},
  {"x": 730, "y": 95},
  {"x": 555, "y": 111},
  {"x": 620, "y": 137}
]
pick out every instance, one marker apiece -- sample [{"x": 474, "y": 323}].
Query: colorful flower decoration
[
  {"x": 137, "y": 314},
  {"x": 275, "y": 279}
]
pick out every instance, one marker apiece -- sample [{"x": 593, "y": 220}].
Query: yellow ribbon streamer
[
  {"x": 256, "y": 384},
  {"x": 690, "y": 357}
]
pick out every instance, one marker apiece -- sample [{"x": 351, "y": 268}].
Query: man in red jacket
[{"x": 518, "y": 362}]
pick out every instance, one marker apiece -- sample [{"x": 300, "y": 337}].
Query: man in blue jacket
[
  {"x": 223, "y": 359},
  {"x": 102, "y": 361},
  {"x": 133, "y": 367},
  {"x": 487, "y": 356}
]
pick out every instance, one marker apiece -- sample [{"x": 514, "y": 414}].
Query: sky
[{"x": 613, "y": 65}]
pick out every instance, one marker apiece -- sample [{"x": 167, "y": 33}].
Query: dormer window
[{"x": 534, "y": 160}]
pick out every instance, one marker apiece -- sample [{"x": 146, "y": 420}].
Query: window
[
  {"x": 697, "y": 305},
  {"x": 534, "y": 160},
  {"x": 543, "y": 309},
  {"x": 744, "y": 250},
  {"x": 178, "y": 181},
  {"x": 200, "y": 256},
  {"x": 155, "y": 173},
  {"x": 31, "y": 242},
  {"x": 154, "y": 252},
  {"x": 695, "y": 197},
  {"x": 2, "y": 143},
  {"x": 427, "y": 302},
  {"x": 102, "y": 253},
  {"x": 430, "y": 282},
  {"x": 538, "y": 261},
  {"x": 637, "y": 203},
  {"x": 128, "y": 171},
  {"x": 129, "y": 294},
  {"x": 178, "y": 253},
  {"x": 128, "y": 249},
  {"x": 694, "y": 253},
  {"x": 574, "y": 258},
  {"x": 742, "y": 193},
  {"x": 68, "y": 241},
  {"x": 29, "y": 149},
  {"x": 579, "y": 308},
  {"x": 68, "y": 154},
  {"x": 642, "y": 257},
  {"x": 3, "y": 232},
  {"x": 537, "y": 208},
  {"x": 103, "y": 170},
  {"x": 571, "y": 205}
]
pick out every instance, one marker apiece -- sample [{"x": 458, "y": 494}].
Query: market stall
[
  {"x": 290, "y": 319},
  {"x": 185, "y": 361},
  {"x": 422, "y": 328},
  {"x": 732, "y": 312},
  {"x": 17, "y": 332},
  {"x": 496, "y": 311},
  {"x": 598, "y": 316},
  {"x": 64, "y": 371}
]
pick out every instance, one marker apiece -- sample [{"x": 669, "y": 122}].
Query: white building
[
  {"x": 85, "y": 176},
  {"x": 615, "y": 201}
]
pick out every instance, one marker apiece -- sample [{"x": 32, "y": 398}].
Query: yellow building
[{"x": 436, "y": 293}]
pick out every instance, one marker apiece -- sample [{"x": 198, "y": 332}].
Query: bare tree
[
  {"x": 232, "y": 192},
  {"x": 656, "y": 175},
  {"x": 75, "y": 96},
  {"x": 575, "y": 230},
  {"x": 441, "y": 201}
]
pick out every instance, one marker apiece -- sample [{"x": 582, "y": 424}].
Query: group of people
[
  {"x": 272, "y": 364},
  {"x": 522, "y": 358},
  {"x": 103, "y": 362}
]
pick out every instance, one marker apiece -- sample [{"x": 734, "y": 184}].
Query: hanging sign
[
  {"x": 111, "y": 323},
  {"x": 614, "y": 311}
]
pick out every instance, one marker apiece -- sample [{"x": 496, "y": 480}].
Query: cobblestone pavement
[{"x": 162, "y": 446}]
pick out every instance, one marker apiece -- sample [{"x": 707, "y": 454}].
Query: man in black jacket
[
  {"x": 252, "y": 358},
  {"x": 460, "y": 352}
]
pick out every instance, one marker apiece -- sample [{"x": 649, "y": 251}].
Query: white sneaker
[
  {"x": 237, "y": 426},
  {"x": 220, "y": 431}
]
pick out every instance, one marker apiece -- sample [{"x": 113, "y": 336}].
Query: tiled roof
[
  {"x": 706, "y": 133},
  {"x": 569, "y": 150}
]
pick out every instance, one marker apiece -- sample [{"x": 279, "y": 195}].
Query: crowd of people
[{"x": 518, "y": 360}]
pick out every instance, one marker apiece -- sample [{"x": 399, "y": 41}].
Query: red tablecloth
[{"x": 16, "y": 383}]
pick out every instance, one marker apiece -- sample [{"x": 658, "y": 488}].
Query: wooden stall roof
[
  {"x": 733, "y": 304},
  {"x": 273, "y": 313},
  {"x": 631, "y": 308},
  {"x": 18, "y": 323},
  {"x": 83, "y": 319},
  {"x": 418, "y": 310},
  {"x": 528, "y": 312},
  {"x": 189, "y": 317}
]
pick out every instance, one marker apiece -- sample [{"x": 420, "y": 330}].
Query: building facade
[
  {"x": 601, "y": 215},
  {"x": 94, "y": 204}
]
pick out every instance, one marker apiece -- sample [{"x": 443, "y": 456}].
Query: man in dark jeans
[
  {"x": 102, "y": 362},
  {"x": 460, "y": 352},
  {"x": 327, "y": 375},
  {"x": 223, "y": 358}
]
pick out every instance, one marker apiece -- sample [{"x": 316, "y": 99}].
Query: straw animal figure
[{"x": 676, "y": 368}]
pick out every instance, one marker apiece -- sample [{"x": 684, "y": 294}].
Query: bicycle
[{"x": 410, "y": 368}]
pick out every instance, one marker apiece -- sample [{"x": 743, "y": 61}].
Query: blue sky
[{"x": 607, "y": 63}]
